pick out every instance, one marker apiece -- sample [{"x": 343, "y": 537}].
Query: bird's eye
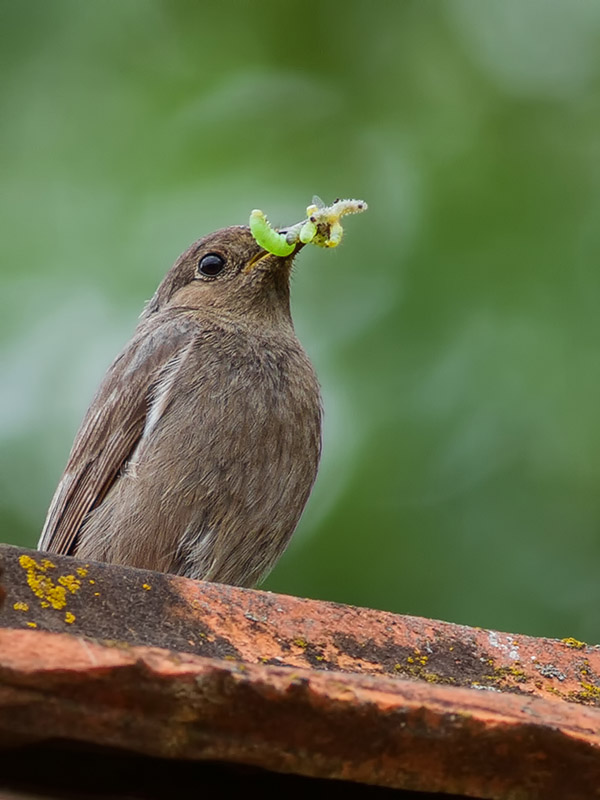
[{"x": 211, "y": 264}]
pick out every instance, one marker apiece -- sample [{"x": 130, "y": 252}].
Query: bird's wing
[{"x": 111, "y": 428}]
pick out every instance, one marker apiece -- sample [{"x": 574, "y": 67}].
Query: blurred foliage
[{"x": 456, "y": 331}]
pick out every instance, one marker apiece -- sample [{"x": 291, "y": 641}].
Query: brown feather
[
  {"x": 108, "y": 434},
  {"x": 200, "y": 448}
]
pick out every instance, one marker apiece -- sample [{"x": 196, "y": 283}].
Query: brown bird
[{"x": 201, "y": 446}]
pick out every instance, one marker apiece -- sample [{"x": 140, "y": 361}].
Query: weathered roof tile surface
[{"x": 181, "y": 669}]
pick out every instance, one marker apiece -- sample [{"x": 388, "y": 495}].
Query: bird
[{"x": 201, "y": 446}]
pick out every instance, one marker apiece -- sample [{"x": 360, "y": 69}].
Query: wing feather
[{"x": 112, "y": 427}]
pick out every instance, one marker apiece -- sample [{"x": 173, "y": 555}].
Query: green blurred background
[{"x": 455, "y": 331}]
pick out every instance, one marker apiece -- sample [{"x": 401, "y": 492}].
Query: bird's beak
[
  {"x": 255, "y": 259},
  {"x": 262, "y": 254}
]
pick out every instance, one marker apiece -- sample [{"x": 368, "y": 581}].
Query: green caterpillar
[{"x": 267, "y": 237}]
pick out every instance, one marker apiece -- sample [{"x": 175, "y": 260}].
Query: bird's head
[{"x": 227, "y": 271}]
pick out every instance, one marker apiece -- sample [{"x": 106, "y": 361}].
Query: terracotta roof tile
[{"x": 183, "y": 669}]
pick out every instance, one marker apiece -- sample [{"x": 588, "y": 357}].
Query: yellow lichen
[
  {"x": 590, "y": 692},
  {"x": 21, "y": 607},
  {"x": 32, "y": 624},
  {"x": 517, "y": 673},
  {"x": 502, "y": 673},
  {"x": 70, "y": 582},
  {"x": 146, "y": 586},
  {"x": 415, "y": 667},
  {"x": 82, "y": 572},
  {"x": 571, "y": 642},
  {"x": 301, "y": 642},
  {"x": 69, "y": 617},
  {"x": 42, "y": 585}
]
